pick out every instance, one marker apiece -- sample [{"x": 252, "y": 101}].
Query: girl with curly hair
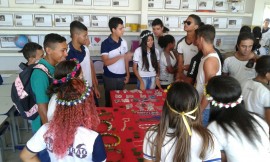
[{"x": 71, "y": 134}]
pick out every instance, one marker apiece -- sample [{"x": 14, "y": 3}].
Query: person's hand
[
  {"x": 170, "y": 69},
  {"x": 158, "y": 83},
  {"x": 97, "y": 93},
  {"x": 142, "y": 87},
  {"x": 128, "y": 56},
  {"x": 186, "y": 67},
  {"x": 127, "y": 79}
]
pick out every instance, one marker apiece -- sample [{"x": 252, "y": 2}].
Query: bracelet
[
  {"x": 145, "y": 126},
  {"x": 109, "y": 124},
  {"x": 118, "y": 140}
]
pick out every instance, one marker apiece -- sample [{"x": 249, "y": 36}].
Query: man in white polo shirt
[{"x": 115, "y": 55}]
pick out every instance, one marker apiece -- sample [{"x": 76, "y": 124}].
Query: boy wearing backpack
[
  {"x": 55, "y": 47},
  {"x": 32, "y": 52}
]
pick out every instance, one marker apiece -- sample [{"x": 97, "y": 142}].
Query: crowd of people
[{"x": 214, "y": 108}]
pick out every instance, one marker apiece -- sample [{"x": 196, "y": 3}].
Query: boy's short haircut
[
  {"x": 51, "y": 39},
  {"x": 76, "y": 25},
  {"x": 114, "y": 22},
  {"x": 29, "y": 50},
  {"x": 208, "y": 32}
]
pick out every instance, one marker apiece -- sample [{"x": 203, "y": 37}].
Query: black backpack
[{"x": 21, "y": 92}]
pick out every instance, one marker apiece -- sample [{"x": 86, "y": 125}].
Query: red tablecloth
[
  {"x": 133, "y": 112},
  {"x": 130, "y": 127}
]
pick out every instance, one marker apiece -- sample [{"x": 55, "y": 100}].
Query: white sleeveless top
[{"x": 200, "y": 76}]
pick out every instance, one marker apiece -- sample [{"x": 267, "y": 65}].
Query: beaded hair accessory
[
  {"x": 183, "y": 115},
  {"x": 79, "y": 100},
  {"x": 226, "y": 105},
  {"x": 70, "y": 75},
  {"x": 146, "y": 34}
]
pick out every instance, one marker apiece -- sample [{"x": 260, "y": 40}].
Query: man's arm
[
  {"x": 267, "y": 115},
  {"x": 180, "y": 70},
  {"x": 94, "y": 79},
  {"x": 27, "y": 156},
  {"x": 127, "y": 59},
  {"x": 210, "y": 68},
  {"x": 42, "y": 111},
  {"x": 39, "y": 85},
  {"x": 109, "y": 61},
  {"x": 135, "y": 70}
]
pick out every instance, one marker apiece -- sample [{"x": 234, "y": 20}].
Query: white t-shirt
[
  {"x": 137, "y": 58},
  {"x": 165, "y": 77},
  {"x": 168, "y": 148},
  {"x": 51, "y": 107},
  {"x": 86, "y": 67},
  {"x": 188, "y": 51},
  {"x": 241, "y": 150},
  {"x": 238, "y": 69},
  {"x": 87, "y": 146},
  {"x": 256, "y": 96},
  {"x": 200, "y": 76}
]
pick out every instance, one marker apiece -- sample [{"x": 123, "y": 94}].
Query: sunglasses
[
  {"x": 250, "y": 63},
  {"x": 187, "y": 22}
]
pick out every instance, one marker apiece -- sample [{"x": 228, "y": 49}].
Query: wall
[{"x": 137, "y": 12}]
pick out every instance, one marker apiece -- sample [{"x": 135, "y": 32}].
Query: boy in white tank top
[{"x": 210, "y": 65}]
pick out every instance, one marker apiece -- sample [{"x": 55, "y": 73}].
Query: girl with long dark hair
[
  {"x": 145, "y": 62},
  {"x": 179, "y": 136},
  {"x": 242, "y": 136}
]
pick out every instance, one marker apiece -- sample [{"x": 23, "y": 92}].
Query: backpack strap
[{"x": 43, "y": 68}]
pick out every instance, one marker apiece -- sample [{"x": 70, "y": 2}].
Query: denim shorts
[{"x": 149, "y": 82}]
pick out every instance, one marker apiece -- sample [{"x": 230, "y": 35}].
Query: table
[
  {"x": 5, "y": 90},
  {"x": 7, "y": 108},
  {"x": 130, "y": 127},
  {"x": 9, "y": 78},
  {"x": 3, "y": 118},
  {"x": 138, "y": 100}
]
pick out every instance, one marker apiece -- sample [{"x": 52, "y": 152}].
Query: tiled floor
[{"x": 10, "y": 156}]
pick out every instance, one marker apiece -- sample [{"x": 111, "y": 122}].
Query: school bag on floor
[{"x": 21, "y": 92}]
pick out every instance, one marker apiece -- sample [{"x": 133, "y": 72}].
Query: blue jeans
[
  {"x": 205, "y": 117},
  {"x": 149, "y": 82}
]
